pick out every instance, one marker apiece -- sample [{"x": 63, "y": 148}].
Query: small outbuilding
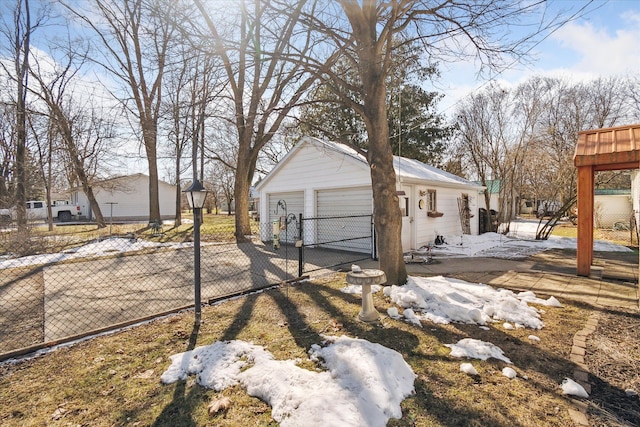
[
  {"x": 328, "y": 179},
  {"x": 126, "y": 198}
]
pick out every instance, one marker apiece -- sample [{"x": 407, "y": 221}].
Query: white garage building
[{"x": 327, "y": 179}]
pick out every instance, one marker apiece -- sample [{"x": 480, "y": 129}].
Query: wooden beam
[
  {"x": 617, "y": 166},
  {"x": 607, "y": 158},
  {"x": 585, "y": 220}
]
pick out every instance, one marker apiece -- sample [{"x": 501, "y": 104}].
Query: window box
[{"x": 434, "y": 214}]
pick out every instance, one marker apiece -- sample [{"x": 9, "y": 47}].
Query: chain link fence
[
  {"x": 620, "y": 227},
  {"x": 335, "y": 241},
  {"x": 59, "y": 287}
]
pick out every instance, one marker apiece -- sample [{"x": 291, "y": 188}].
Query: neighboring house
[
  {"x": 318, "y": 179},
  {"x": 126, "y": 198},
  {"x": 612, "y": 208},
  {"x": 496, "y": 203}
]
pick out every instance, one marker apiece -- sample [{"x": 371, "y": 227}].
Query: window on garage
[{"x": 431, "y": 200}]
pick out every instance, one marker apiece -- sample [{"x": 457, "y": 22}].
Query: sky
[{"x": 604, "y": 42}]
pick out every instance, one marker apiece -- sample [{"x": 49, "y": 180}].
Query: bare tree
[
  {"x": 526, "y": 136},
  {"x": 8, "y": 181},
  {"x": 368, "y": 33},
  {"x": 43, "y": 134},
  {"x": 81, "y": 129},
  {"x": 189, "y": 91},
  {"x": 135, "y": 36},
  {"x": 17, "y": 35},
  {"x": 224, "y": 178},
  {"x": 633, "y": 90},
  {"x": 480, "y": 118},
  {"x": 7, "y": 155},
  {"x": 264, "y": 85}
]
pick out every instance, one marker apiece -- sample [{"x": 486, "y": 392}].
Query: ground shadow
[{"x": 179, "y": 411}]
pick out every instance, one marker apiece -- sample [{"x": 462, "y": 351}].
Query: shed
[
  {"x": 320, "y": 178},
  {"x": 126, "y": 198}
]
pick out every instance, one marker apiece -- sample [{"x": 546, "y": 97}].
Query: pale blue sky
[{"x": 604, "y": 42}]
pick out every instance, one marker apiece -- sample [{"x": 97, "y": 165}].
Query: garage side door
[
  {"x": 295, "y": 205},
  {"x": 345, "y": 219}
]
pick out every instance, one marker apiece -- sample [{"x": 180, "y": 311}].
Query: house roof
[
  {"x": 493, "y": 185},
  {"x": 408, "y": 170},
  {"x": 415, "y": 170},
  {"x": 608, "y": 146}
]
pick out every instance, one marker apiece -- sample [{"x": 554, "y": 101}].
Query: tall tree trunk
[
  {"x": 373, "y": 67},
  {"x": 64, "y": 127},
  {"x": 22, "y": 45},
  {"x": 387, "y": 218},
  {"x": 84, "y": 182},
  {"x": 244, "y": 176},
  {"x": 150, "y": 145},
  {"x": 178, "y": 220}
]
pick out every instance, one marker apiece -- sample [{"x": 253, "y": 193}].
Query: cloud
[{"x": 603, "y": 51}]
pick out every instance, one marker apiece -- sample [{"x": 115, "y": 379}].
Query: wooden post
[{"x": 585, "y": 220}]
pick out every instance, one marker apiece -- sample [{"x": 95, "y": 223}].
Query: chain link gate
[{"x": 56, "y": 293}]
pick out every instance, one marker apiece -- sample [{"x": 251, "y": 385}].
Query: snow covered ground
[
  {"x": 364, "y": 383},
  {"x": 520, "y": 243}
]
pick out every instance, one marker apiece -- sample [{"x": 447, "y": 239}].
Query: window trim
[{"x": 432, "y": 199}]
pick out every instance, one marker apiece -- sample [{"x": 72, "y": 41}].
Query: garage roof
[{"x": 409, "y": 170}]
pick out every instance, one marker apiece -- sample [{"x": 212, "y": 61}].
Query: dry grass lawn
[{"x": 114, "y": 380}]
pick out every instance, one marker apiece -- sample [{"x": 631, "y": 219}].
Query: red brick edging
[{"x": 581, "y": 373}]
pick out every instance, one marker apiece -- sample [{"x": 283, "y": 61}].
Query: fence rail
[{"x": 62, "y": 288}]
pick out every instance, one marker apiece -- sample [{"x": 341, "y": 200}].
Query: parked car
[
  {"x": 37, "y": 209},
  {"x": 547, "y": 208}
]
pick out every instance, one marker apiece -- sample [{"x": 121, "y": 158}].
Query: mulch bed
[{"x": 613, "y": 358}]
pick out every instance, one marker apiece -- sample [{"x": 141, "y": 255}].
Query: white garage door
[
  {"x": 294, "y": 202},
  {"x": 345, "y": 219}
]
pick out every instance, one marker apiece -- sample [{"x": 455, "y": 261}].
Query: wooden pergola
[{"x": 599, "y": 150}]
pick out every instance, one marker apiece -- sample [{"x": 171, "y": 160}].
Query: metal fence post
[{"x": 301, "y": 247}]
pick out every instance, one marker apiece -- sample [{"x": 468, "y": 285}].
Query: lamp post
[{"x": 196, "y": 195}]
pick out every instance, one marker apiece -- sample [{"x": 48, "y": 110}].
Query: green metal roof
[
  {"x": 493, "y": 185},
  {"x": 612, "y": 192}
]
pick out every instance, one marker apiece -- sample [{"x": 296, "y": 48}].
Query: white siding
[
  {"x": 448, "y": 225},
  {"x": 610, "y": 209},
  {"x": 322, "y": 174},
  {"x": 127, "y": 198},
  {"x": 309, "y": 169},
  {"x": 313, "y": 167}
]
